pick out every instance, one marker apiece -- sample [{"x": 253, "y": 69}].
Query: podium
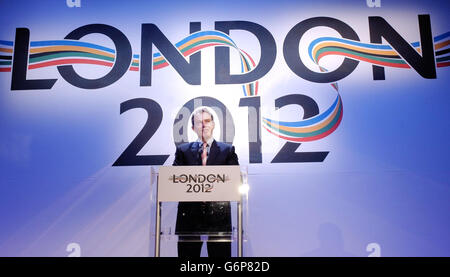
[{"x": 223, "y": 190}]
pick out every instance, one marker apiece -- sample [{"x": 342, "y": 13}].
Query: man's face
[{"x": 203, "y": 126}]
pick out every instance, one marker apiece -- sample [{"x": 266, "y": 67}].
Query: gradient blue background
[{"x": 385, "y": 180}]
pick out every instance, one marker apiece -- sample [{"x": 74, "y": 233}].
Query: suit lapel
[
  {"x": 213, "y": 153},
  {"x": 195, "y": 152}
]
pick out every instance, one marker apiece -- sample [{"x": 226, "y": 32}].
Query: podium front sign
[{"x": 199, "y": 183}]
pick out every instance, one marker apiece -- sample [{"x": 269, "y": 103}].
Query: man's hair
[{"x": 202, "y": 110}]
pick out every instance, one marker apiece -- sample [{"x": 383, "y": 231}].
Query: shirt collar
[{"x": 209, "y": 142}]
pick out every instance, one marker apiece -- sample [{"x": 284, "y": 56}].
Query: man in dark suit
[{"x": 211, "y": 218}]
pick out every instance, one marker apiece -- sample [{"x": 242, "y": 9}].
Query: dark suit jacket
[{"x": 204, "y": 217}]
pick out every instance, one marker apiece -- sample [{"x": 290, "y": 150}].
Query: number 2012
[{"x": 287, "y": 154}]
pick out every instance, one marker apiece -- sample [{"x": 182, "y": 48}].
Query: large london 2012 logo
[{"x": 424, "y": 56}]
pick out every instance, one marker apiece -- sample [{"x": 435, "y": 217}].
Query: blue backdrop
[{"x": 382, "y": 189}]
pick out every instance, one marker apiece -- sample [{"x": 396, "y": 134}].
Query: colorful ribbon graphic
[
  {"x": 325, "y": 123},
  {"x": 310, "y": 129},
  {"x": 383, "y": 55},
  {"x": 63, "y": 52},
  {"x": 199, "y": 40}
]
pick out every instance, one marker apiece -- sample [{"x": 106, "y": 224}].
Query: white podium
[{"x": 202, "y": 184}]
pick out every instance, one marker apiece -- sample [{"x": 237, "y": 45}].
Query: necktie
[{"x": 204, "y": 154}]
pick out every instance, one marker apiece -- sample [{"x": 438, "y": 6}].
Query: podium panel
[
  {"x": 198, "y": 204},
  {"x": 199, "y": 183}
]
